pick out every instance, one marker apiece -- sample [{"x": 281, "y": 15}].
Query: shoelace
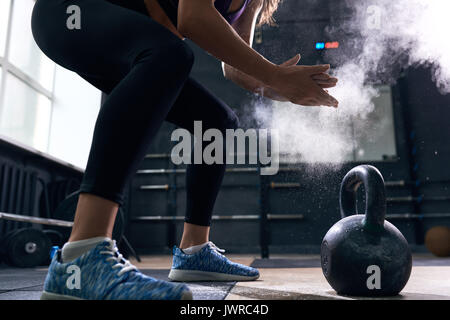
[
  {"x": 216, "y": 248},
  {"x": 122, "y": 263}
]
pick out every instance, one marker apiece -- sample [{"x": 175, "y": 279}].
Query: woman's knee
[
  {"x": 180, "y": 54},
  {"x": 233, "y": 121},
  {"x": 228, "y": 120},
  {"x": 187, "y": 54},
  {"x": 175, "y": 56}
]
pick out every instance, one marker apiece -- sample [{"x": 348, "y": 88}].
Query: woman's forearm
[
  {"x": 241, "y": 79},
  {"x": 201, "y": 22},
  {"x": 250, "y": 84}
]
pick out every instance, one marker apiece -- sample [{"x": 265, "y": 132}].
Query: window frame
[{"x": 8, "y": 68}]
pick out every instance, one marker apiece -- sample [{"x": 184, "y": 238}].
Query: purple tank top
[
  {"x": 170, "y": 7},
  {"x": 224, "y": 5}
]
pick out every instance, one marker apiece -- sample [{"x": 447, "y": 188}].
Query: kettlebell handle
[{"x": 375, "y": 194}]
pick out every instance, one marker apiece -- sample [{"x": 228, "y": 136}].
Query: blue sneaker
[
  {"x": 103, "y": 274},
  {"x": 208, "y": 264}
]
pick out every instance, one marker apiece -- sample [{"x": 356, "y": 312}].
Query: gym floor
[{"x": 288, "y": 277}]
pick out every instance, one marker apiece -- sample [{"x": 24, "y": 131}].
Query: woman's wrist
[
  {"x": 242, "y": 79},
  {"x": 268, "y": 79},
  {"x": 270, "y": 76},
  {"x": 251, "y": 84}
]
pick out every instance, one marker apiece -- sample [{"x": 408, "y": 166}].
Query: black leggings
[{"x": 144, "y": 69}]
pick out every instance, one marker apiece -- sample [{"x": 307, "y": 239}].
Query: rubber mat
[
  {"x": 286, "y": 263},
  {"x": 200, "y": 290},
  {"x": 27, "y": 284},
  {"x": 315, "y": 263}
]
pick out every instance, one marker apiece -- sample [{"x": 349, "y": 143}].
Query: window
[
  {"x": 377, "y": 141},
  {"x": 26, "y": 114},
  {"x": 23, "y": 51},
  {"x": 26, "y": 80},
  {"x": 320, "y": 135},
  {"x": 4, "y": 15}
]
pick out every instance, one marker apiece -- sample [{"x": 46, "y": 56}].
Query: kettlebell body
[{"x": 364, "y": 255}]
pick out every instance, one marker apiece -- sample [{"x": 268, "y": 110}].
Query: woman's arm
[
  {"x": 245, "y": 27},
  {"x": 157, "y": 13},
  {"x": 199, "y": 21}
]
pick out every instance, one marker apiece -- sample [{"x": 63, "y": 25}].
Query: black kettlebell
[{"x": 364, "y": 255}]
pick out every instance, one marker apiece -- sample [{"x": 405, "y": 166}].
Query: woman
[{"x": 134, "y": 51}]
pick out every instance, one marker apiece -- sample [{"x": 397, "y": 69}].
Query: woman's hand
[
  {"x": 304, "y": 85},
  {"x": 323, "y": 80}
]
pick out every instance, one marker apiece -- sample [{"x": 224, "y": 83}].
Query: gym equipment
[
  {"x": 22, "y": 218},
  {"x": 27, "y": 247},
  {"x": 364, "y": 255},
  {"x": 222, "y": 217},
  {"x": 418, "y": 215},
  {"x": 64, "y": 215},
  {"x": 55, "y": 237},
  {"x": 437, "y": 241},
  {"x": 3, "y": 245},
  {"x": 66, "y": 211}
]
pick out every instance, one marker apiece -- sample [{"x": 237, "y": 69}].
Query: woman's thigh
[
  {"x": 108, "y": 41},
  {"x": 197, "y": 103}
]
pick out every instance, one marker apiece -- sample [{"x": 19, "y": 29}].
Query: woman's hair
[{"x": 267, "y": 11}]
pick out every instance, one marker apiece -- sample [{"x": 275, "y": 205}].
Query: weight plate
[
  {"x": 55, "y": 237},
  {"x": 4, "y": 240},
  {"x": 28, "y": 248},
  {"x": 119, "y": 226},
  {"x": 4, "y": 245},
  {"x": 66, "y": 211}
]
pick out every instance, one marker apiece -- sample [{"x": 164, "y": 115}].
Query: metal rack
[{"x": 265, "y": 186}]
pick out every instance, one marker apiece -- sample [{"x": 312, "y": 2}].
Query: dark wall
[
  {"x": 26, "y": 177},
  {"x": 421, "y": 132},
  {"x": 427, "y": 116},
  {"x": 418, "y": 180}
]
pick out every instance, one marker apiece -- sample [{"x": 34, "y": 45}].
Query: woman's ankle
[
  {"x": 86, "y": 236},
  {"x": 194, "y": 235},
  {"x": 188, "y": 244}
]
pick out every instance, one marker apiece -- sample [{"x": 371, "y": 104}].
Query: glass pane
[
  {"x": 318, "y": 135},
  {"x": 377, "y": 140},
  {"x": 26, "y": 114},
  {"x": 23, "y": 52},
  {"x": 310, "y": 135},
  {"x": 4, "y": 14}
]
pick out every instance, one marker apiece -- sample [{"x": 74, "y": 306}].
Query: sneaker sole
[
  {"x": 187, "y": 296},
  {"x": 53, "y": 296},
  {"x": 195, "y": 275}
]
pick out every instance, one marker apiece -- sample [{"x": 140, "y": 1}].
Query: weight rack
[{"x": 265, "y": 186}]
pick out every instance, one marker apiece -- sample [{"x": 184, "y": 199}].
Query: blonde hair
[{"x": 267, "y": 11}]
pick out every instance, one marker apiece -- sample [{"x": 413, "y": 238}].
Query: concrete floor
[{"x": 430, "y": 280}]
